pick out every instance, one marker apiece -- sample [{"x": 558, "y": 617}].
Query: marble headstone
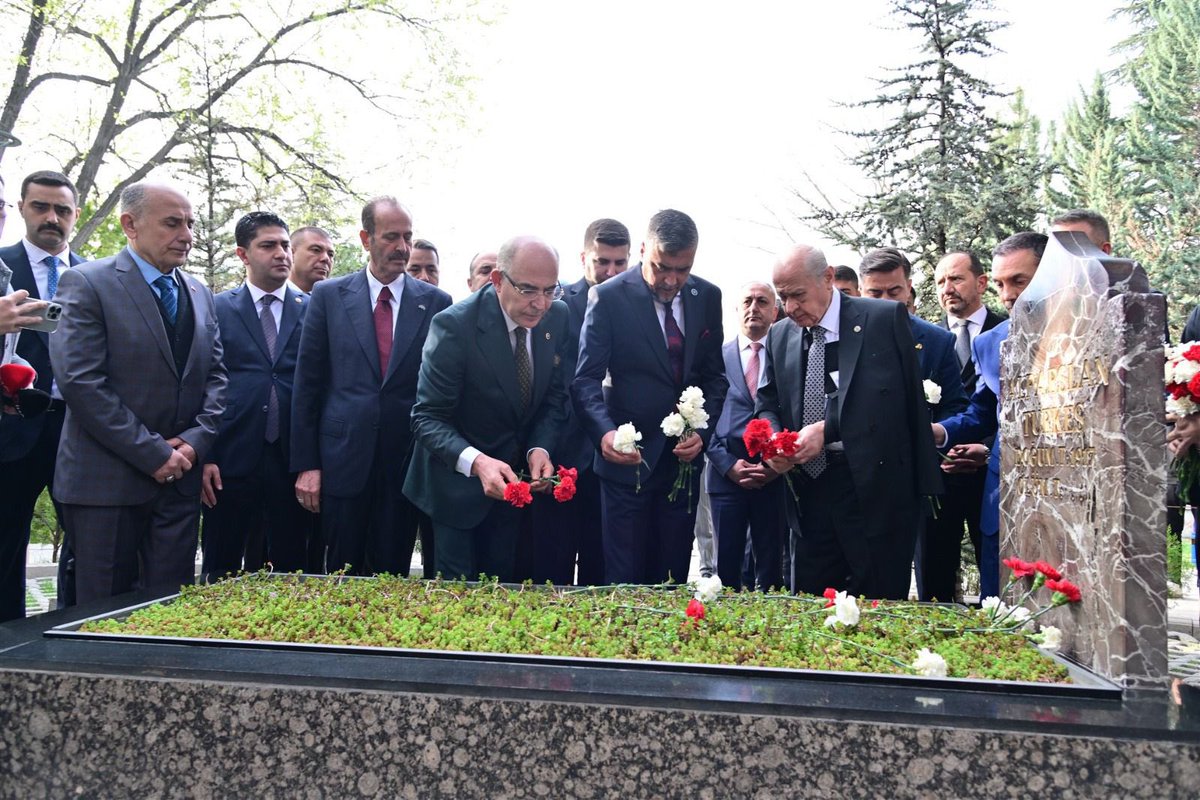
[{"x": 1083, "y": 456}]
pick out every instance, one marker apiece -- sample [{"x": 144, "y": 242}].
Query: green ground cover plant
[{"x": 651, "y": 623}]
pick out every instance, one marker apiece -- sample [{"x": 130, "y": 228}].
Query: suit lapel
[
  {"x": 292, "y": 303},
  {"x": 793, "y": 364},
  {"x": 246, "y": 313},
  {"x": 199, "y": 321},
  {"x": 146, "y": 302},
  {"x": 691, "y": 323},
  {"x": 733, "y": 367},
  {"x": 642, "y": 303},
  {"x": 497, "y": 348},
  {"x": 413, "y": 310},
  {"x": 850, "y": 330},
  {"x": 543, "y": 347},
  {"x": 356, "y": 297}
]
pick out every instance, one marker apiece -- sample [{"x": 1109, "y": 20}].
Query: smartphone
[{"x": 50, "y": 316}]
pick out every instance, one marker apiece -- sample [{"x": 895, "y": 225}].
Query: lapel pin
[
  {"x": 919, "y": 346},
  {"x": 421, "y": 307},
  {"x": 298, "y": 300},
  {"x": 858, "y": 328},
  {"x": 547, "y": 336},
  {"x": 694, "y": 291}
]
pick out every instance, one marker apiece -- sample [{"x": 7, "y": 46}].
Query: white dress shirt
[
  {"x": 974, "y": 322},
  {"x": 41, "y": 271},
  {"x": 676, "y": 312},
  {"x": 397, "y": 287},
  {"x": 280, "y": 294}
]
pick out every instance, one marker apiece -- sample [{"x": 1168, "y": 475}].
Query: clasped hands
[
  {"x": 182, "y": 458},
  {"x": 1185, "y": 433}
]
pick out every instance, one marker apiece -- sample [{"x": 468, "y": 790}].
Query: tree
[
  {"x": 161, "y": 77},
  {"x": 944, "y": 169},
  {"x": 1089, "y": 156}
]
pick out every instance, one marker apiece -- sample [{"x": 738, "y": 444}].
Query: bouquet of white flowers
[{"x": 689, "y": 418}]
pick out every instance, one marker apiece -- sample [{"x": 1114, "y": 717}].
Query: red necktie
[
  {"x": 383, "y": 329},
  {"x": 752, "y": 368}
]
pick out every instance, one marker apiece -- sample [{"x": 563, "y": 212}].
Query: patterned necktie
[
  {"x": 752, "y": 368},
  {"x": 166, "y": 296},
  {"x": 383, "y": 329},
  {"x": 524, "y": 368},
  {"x": 267, "y": 320},
  {"x": 814, "y": 393},
  {"x": 51, "y": 263},
  {"x": 962, "y": 343},
  {"x": 674, "y": 343}
]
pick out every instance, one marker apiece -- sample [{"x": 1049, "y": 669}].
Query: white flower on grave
[
  {"x": 845, "y": 611},
  {"x": 1051, "y": 638},
  {"x": 929, "y": 664},
  {"x": 626, "y": 439},
  {"x": 673, "y": 424},
  {"x": 707, "y": 589},
  {"x": 933, "y": 392},
  {"x": 994, "y": 606},
  {"x": 1017, "y": 617}
]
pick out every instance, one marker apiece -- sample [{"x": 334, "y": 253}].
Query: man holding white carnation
[{"x": 654, "y": 331}]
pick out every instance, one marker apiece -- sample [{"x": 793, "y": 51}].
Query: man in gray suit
[{"x": 137, "y": 357}]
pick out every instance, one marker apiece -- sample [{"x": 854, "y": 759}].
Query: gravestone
[{"x": 1083, "y": 455}]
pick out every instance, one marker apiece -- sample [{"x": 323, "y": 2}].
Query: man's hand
[
  {"x": 494, "y": 475},
  {"x": 810, "y": 441},
  {"x": 17, "y": 309},
  {"x": 210, "y": 484},
  {"x": 173, "y": 468},
  {"x": 627, "y": 459},
  {"x": 751, "y": 476},
  {"x": 308, "y": 490},
  {"x": 965, "y": 458},
  {"x": 540, "y": 468},
  {"x": 183, "y": 447},
  {"x": 1184, "y": 435},
  {"x": 688, "y": 448}
]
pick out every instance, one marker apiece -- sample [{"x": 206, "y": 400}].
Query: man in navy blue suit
[
  {"x": 561, "y": 531},
  {"x": 1014, "y": 262},
  {"x": 652, "y": 331},
  {"x": 355, "y": 384},
  {"x": 250, "y": 508},
  {"x": 746, "y": 495},
  {"x": 887, "y": 274},
  {"x": 29, "y": 447}
]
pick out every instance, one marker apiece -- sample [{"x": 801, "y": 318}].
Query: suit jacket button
[{"x": 264, "y": 409}]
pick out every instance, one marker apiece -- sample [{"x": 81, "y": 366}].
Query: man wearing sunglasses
[{"x": 491, "y": 401}]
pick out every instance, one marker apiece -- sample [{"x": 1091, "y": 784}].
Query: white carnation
[
  {"x": 933, "y": 392},
  {"x": 1018, "y": 616},
  {"x": 1182, "y": 406},
  {"x": 692, "y": 396},
  {"x": 695, "y": 417},
  {"x": 1051, "y": 638},
  {"x": 626, "y": 439},
  {"x": 1185, "y": 370},
  {"x": 929, "y": 664},
  {"x": 707, "y": 589},
  {"x": 994, "y": 606},
  {"x": 845, "y": 611},
  {"x": 673, "y": 424}
]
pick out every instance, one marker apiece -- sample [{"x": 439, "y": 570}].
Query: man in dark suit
[
  {"x": 1014, "y": 262},
  {"x": 843, "y": 372},
  {"x": 29, "y": 447},
  {"x": 355, "y": 383},
  {"x": 654, "y": 331},
  {"x": 251, "y": 510},
  {"x": 491, "y": 401},
  {"x": 563, "y": 530},
  {"x": 887, "y": 274},
  {"x": 745, "y": 493},
  {"x": 137, "y": 356}
]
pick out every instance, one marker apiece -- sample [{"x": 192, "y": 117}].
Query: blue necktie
[
  {"x": 166, "y": 296},
  {"x": 51, "y": 263}
]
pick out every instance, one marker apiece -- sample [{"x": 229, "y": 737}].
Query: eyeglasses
[
  {"x": 553, "y": 293},
  {"x": 5, "y": 206}
]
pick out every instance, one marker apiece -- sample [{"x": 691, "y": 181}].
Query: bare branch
[{"x": 97, "y": 40}]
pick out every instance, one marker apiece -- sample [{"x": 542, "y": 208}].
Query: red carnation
[
  {"x": 874, "y": 604},
  {"x": 565, "y": 489},
  {"x": 1064, "y": 592},
  {"x": 1192, "y": 353},
  {"x": 1020, "y": 569},
  {"x": 785, "y": 443},
  {"x": 1193, "y": 386},
  {"x": 15, "y": 377},
  {"x": 1050, "y": 572},
  {"x": 518, "y": 494},
  {"x": 695, "y": 609},
  {"x": 757, "y": 437},
  {"x": 1177, "y": 390},
  {"x": 830, "y": 595},
  {"x": 567, "y": 473}
]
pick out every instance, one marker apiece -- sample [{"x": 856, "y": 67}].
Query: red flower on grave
[
  {"x": 695, "y": 609},
  {"x": 518, "y": 494},
  {"x": 830, "y": 595},
  {"x": 785, "y": 443},
  {"x": 874, "y": 604},
  {"x": 1020, "y": 569},
  {"x": 1050, "y": 572},
  {"x": 1064, "y": 592}
]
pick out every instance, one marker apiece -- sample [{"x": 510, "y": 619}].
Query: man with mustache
[
  {"x": 355, "y": 384},
  {"x": 29, "y": 447},
  {"x": 312, "y": 258}
]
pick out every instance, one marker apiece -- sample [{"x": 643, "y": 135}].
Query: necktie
[
  {"x": 267, "y": 320},
  {"x": 383, "y": 329},
  {"x": 51, "y": 263},
  {"x": 962, "y": 343},
  {"x": 524, "y": 368},
  {"x": 674, "y": 342},
  {"x": 752, "y": 368},
  {"x": 166, "y": 296},
  {"x": 814, "y": 393}
]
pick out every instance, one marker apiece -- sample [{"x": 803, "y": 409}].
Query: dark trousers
[
  {"x": 939, "y": 547},
  {"x": 648, "y": 538},
  {"x": 428, "y": 551},
  {"x": 122, "y": 548},
  {"x": 22, "y": 481},
  {"x": 257, "y": 520},
  {"x": 831, "y": 548},
  {"x": 373, "y": 531},
  {"x": 761, "y": 513},
  {"x": 562, "y": 531},
  {"x": 490, "y": 548}
]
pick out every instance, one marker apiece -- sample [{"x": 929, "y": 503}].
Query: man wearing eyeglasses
[
  {"x": 29, "y": 447},
  {"x": 655, "y": 330},
  {"x": 491, "y": 401}
]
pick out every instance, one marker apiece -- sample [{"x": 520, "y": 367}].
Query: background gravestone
[{"x": 1083, "y": 453}]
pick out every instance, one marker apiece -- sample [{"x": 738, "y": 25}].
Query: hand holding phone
[
  {"x": 18, "y": 311},
  {"x": 45, "y": 315}
]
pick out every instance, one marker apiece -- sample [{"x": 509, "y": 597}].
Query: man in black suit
[
  {"x": 843, "y": 372},
  {"x": 654, "y": 331},
  {"x": 491, "y": 402},
  {"x": 251, "y": 511},
  {"x": 29, "y": 447},
  {"x": 961, "y": 283},
  {"x": 563, "y": 530},
  {"x": 355, "y": 383}
]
